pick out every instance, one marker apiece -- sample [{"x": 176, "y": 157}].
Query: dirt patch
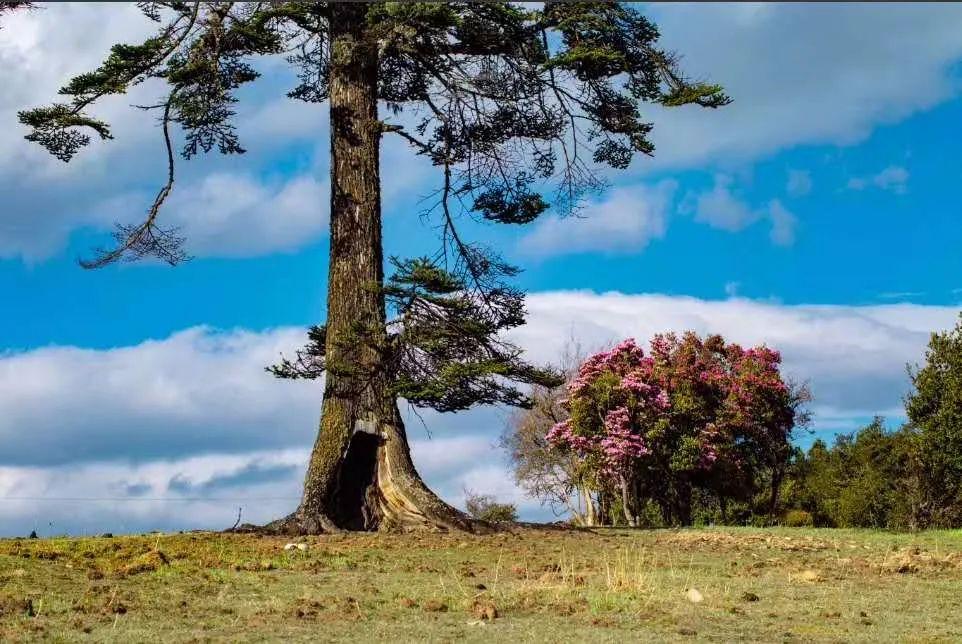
[
  {"x": 307, "y": 609},
  {"x": 14, "y": 606},
  {"x": 725, "y": 542},
  {"x": 434, "y": 606},
  {"x": 916, "y": 560}
]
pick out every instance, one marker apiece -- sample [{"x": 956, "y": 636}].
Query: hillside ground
[{"x": 528, "y": 586}]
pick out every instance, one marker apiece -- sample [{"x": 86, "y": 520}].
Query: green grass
[{"x": 607, "y": 585}]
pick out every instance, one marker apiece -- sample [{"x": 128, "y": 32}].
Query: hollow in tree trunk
[{"x": 360, "y": 475}]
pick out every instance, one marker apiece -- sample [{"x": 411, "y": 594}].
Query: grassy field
[{"x": 607, "y": 585}]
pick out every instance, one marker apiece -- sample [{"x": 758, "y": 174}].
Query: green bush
[
  {"x": 934, "y": 409},
  {"x": 486, "y": 508},
  {"x": 798, "y": 519}
]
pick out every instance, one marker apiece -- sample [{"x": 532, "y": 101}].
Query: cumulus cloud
[
  {"x": 194, "y": 420},
  {"x": 720, "y": 208},
  {"x": 196, "y": 391},
  {"x": 799, "y": 75},
  {"x": 723, "y": 208},
  {"x": 799, "y": 183},
  {"x": 853, "y": 356},
  {"x": 802, "y": 74},
  {"x": 237, "y": 215},
  {"x": 893, "y": 179},
  {"x": 627, "y": 219},
  {"x": 228, "y": 206},
  {"x": 783, "y": 224}
]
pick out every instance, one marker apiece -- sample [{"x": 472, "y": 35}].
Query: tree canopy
[
  {"x": 692, "y": 413},
  {"x": 518, "y": 107},
  {"x": 934, "y": 409}
]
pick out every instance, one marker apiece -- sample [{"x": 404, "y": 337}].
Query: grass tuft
[{"x": 607, "y": 585}]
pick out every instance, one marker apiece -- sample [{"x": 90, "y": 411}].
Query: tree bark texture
[{"x": 360, "y": 475}]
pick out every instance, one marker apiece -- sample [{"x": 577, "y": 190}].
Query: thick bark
[{"x": 360, "y": 475}]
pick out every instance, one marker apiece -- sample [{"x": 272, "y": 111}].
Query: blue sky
[{"x": 818, "y": 213}]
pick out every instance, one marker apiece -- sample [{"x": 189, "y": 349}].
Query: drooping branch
[
  {"x": 200, "y": 53},
  {"x": 134, "y": 242}
]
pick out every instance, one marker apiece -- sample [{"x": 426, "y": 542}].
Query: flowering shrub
[{"x": 691, "y": 412}]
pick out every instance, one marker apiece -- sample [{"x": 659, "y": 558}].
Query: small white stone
[{"x": 694, "y": 596}]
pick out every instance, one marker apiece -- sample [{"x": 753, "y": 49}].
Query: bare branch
[{"x": 146, "y": 239}]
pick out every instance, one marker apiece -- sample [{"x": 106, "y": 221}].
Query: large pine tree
[{"x": 516, "y": 106}]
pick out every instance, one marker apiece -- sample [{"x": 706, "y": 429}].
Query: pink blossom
[{"x": 738, "y": 395}]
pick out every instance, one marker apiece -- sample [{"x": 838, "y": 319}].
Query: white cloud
[
  {"x": 223, "y": 203},
  {"x": 783, "y": 224},
  {"x": 802, "y": 73},
  {"x": 237, "y": 215},
  {"x": 205, "y": 492},
  {"x": 196, "y": 391},
  {"x": 195, "y": 416},
  {"x": 720, "y": 208},
  {"x": 629, "y": 218},
  {"x": 799, "y": 75},
  {"x": 893, "y": 179},
  {"x": 626, "y": 220},
  {"x": 854, "y": 356},
  {"x": 799, "y": 183}
]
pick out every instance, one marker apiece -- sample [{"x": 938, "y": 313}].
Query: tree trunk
[
  {"x": 360, "y": 475},
  {"x": 591, "y": 514},
  {"x": 628, "y": 505},
  {"x": 605, "y": 515}
]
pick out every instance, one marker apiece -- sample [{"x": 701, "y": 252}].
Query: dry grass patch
[{"x": 605, "y": 585}]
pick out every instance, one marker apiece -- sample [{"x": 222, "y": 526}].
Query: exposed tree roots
[{"x": 377, "y": 489}]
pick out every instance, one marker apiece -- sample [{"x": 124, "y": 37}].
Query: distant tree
[
  {"x": 553, "y": 476},
  {"x": 692, "y": 414},
  {"x": 814, "y": 481},
  {"x": 486, "y": 508},
  {"x": 509, "y": 102},
  {"x": 934, "y": 409},
  {"x": 864, "y": 480}
]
